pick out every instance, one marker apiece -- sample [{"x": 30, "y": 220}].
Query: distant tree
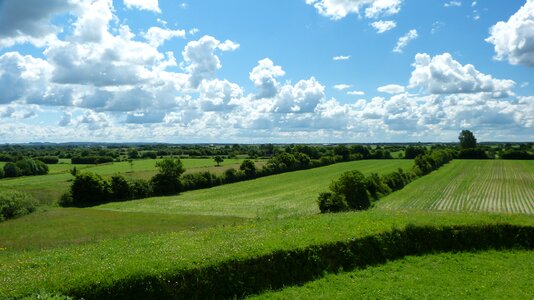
[
  {"x": 467, "y": 140},
  {"x": 167, "y": 181},
  {"x": 133, "y": 154},
  {"x": 218, "y": 159},
  {"x": 342, "y": 151}
]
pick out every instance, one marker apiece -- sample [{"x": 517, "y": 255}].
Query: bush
[
  {"x": 329, "y": 202},
  {"x": 11, "y": 170},
  {"x": 30, "y": 167},
  {"x": 516, "y": 154},
  {"x": 249, "y": 168},
  {"x": 376, "y": 186},
  {"x": 14, "y": 204},
  {"x": 473, "y": 153},
  {"x": 163, "y": 185},
  {"x": 89, "y": 188},
  {"x": 352, "y": 186},
  {"x": 120, "y": 188},
  {"x": 51, "y": 160}
]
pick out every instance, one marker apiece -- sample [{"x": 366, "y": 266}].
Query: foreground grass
[
  {"x": 48, "y": 188},
  {"x": 279, "y": 196},
  {"x": 505, "y": 186},
  {"x": 479, "y": 275},
  {"x": 109, "y": 263},
  {"x": 57, "y": 227}
]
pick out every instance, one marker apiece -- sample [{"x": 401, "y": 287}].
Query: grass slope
[
  {"x": 482, "y": 275},
  {"x": 505, "y": 186},
  {"x": 109, "y": 262},
  {"x": 280, "y": 196},
  {"x": 57, "y": 227}
]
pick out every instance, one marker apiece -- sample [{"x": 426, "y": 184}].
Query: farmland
[
  {"x": 48, "y": 188},
  {"x": 280, "y": 196},
  {"x": 235, "y": 237},
  {"x": 465, "y": 185}
]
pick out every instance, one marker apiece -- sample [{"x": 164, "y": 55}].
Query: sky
[{"x": 266, "y": 71}]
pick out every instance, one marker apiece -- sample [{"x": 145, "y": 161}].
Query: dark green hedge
[{"x": 238, "y": 278}]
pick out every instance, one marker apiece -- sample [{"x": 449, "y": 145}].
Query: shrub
[
  {"x": 352, "y": 185},
  {"x": 51, "y": 160},
  {"x": 163, "y": 185},
  {"x": 89, "y": 188},
  {"x": 30, "y": 167},
  {"x": 120, "y": 188},
  {"x": 329, "y": 202},
  {"x": 516, "y": 154},
  {"x": 249, "y": 168},
  {"x": 376, "y": 186},
  {"x": 14, "y": 204},
  {"x": 11, "y": 170},
  {"x": 140, "y": 189},
  {"x": 473, "y": 153}
]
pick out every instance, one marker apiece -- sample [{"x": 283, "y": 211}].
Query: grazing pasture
[
  {"x": 279, "y": 196},
  {"x": 500, "y": 186}
]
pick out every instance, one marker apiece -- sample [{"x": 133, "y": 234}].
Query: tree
[
  {"x": 167, "y": 181},
  {"x": 218, "y": 159},
  {"x": 352, "y": 185},
  {"x": 249, "y": 168},
  {"x": 467, "y": 140},
  {"x": 89, "y": 188}
]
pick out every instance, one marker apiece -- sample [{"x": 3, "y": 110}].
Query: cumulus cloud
[
  {"x": 383, "y": 26},
  {"x": 442, "y": 74},
  {"x": 391, "y": 89},
  {"x": 264, "y": 78},
  {"x": 150, "y": 5},
  {"x": 218, "y": 95},
  {"x": 338, "y": 9},
  {"x": 201, "y": 61},
  {"x": 156, "y": 36},
  {"x": 453, "y": 4},
  {"x": 342, "y": 86},
  {"x": 341, "y": 57},
  {"x": 514, "y": 40},
  {"x": 404, "y": 40},
  {"x": 21, "y": 76},
  {"x": 303, "y": 97},
  {"x": 29, "y": 21}
]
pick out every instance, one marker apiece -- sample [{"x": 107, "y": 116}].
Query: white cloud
[
  {"x": 342, "y": 86},
  {"x": 150, "y": 5},
  {"x": 383, "y": 8},
  {"x": 338, "y": 9},
  {"x": 514, "y": 40},
  {"x": 201, "y": 61},
  {"x": 341, "y": 57},
  {"x": 474, "y": 3},
  {"x": 442, "y": 74},
  {"x": 264, "y": 78},
  {"x": 356, "y": 93},
  {"x": 218, "y": 95},
  {"x": 391, "y": 89},
  {"x": 156, "y": 36},
  {"x": 404, "y": 40},
  {"x": 453, "y": 4},
  {"x": 383, "y": 26},
  {"x": 303, "y": 97},
  {"x": 228, "y": 46}
]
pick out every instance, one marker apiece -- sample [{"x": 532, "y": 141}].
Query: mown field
[
  {"x": 280, "y": 196},
  {"x": 479, "y": 275},
  {"x": 48, "y": 188},
  {"x": 504, "y": 186}
]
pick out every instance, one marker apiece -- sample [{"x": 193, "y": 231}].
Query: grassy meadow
[
  {"x": 501, "y": 186},
  {"x": 280, "y": 196},
  {"x": 182, "y": 243},
  {"x": 479, "y": 275},
  {"x": 48, "y": 188}
]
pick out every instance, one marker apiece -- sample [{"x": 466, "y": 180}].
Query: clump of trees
[
  {"x": 355, "y": 191},
  {"x": 24, "y": 167},
  {"x": 468, "y": 147},
  {"x": 14, "y": 204},
  {"x": 91, "y": 160}
]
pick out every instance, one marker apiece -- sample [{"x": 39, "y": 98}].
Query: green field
[
  {"x": 504, "y": 186},
  {"x": 109, "y": 264},
  {"x": 280, "y": 196},
  {"x": 483, "y": 275},
  {"x": 48, "y": 188},
  {"x": 147, "y": 244}
]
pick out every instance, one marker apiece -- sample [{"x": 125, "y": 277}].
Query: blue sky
[{"x": 266, "y": 71}]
